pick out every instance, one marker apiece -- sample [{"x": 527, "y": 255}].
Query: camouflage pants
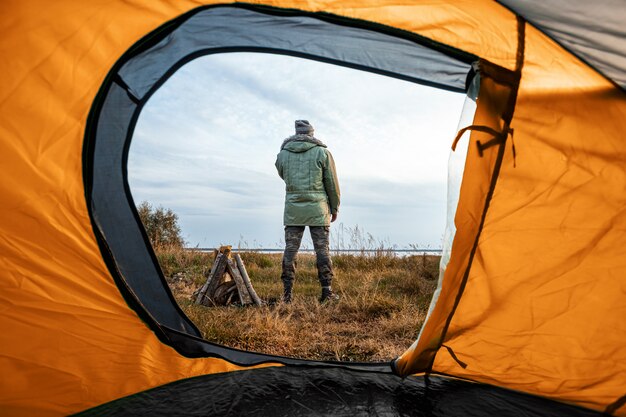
[{"x": 320, "y": 237}]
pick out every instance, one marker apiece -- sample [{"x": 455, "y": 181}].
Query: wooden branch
[
  {"x": 210, "y": 277},
  {"x": 226, "y": 278},
  {"x": 215, "y": 276},
  {"x": 219, "y": 276},
  {"x": 244, "y": 296},
  {"x": 246, "y": 280},
  {"x": 224, "y": 292}
]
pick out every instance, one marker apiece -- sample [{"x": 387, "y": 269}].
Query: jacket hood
[{"x": 301, "y": 143}]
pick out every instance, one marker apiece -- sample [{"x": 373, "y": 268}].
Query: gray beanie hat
[{"x": 303, "y": 127}]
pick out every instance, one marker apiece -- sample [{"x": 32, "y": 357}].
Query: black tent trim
[
  {"x": 117, "y": 100},
  {"x": 297, "y": 35}
]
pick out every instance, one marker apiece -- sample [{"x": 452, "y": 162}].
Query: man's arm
[
  {"x": 279, "y": 166},
  {"x": 331, "y": 185}
]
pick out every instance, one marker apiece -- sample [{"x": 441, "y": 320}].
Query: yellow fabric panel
[
  {"x": 492, "y": 101},
  {"x": 544, "y": 307},
  {"x": 69, "y": 341},
  {"x": 484, "y": 28}
]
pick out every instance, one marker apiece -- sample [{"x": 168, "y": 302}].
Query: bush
[{"x": 161, "y": 225}]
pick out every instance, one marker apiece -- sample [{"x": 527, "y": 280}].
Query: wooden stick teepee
[{"x": 228, "y": 282}]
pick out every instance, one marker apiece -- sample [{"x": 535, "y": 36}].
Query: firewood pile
[{"x": 228, "y": 282}]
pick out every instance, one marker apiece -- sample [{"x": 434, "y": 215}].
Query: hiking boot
[
  {"x": 328, "y": 295},
  {"x": 287, "y": 297}
]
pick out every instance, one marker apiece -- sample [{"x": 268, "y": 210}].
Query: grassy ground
[{"x": 384, "y": 300}]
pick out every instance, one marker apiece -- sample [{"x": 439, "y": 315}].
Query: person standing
[{"x": 312, "y": 199}]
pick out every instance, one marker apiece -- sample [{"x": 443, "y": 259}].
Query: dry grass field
[{"x": 384, "y": 300}]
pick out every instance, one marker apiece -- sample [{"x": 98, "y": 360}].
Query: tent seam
[{"x": 507, "y": 117}]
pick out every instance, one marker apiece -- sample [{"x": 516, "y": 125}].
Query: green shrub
[{"x": 161, "y": 225}]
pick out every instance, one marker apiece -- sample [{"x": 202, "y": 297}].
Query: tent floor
[{"x": 314, "y": 391}]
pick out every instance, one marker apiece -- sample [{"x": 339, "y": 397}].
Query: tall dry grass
[{"x": 384, "y": 300}]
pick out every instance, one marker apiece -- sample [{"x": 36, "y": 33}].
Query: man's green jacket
[{"x": 308, "y": 170}]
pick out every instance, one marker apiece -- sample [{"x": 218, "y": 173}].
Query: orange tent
[{"x": 531, "y": 303}]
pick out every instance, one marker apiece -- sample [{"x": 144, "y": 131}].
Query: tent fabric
[
  {"x": 220, "y": 30},
  {"x": 312, "y": 391},
  {"x": 557, "y": 206},
  {"x": 498, "y": 89},
  {"x": 536, "y": 271},
  {"x": 223, "y": 29},
  {"x": 132, "y": 256},
  {"x": 594, "y": 32}
]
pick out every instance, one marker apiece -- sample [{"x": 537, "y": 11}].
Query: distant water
[{"x": 396, "y": 252}]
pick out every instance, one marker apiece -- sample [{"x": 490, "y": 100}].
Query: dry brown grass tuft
[{"x": 384, "y": 300}]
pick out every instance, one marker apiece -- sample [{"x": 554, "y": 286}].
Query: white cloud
[{"x": 206, "y": 143}]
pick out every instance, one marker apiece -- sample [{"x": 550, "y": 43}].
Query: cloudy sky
[{"x": 206, "y": 143}]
